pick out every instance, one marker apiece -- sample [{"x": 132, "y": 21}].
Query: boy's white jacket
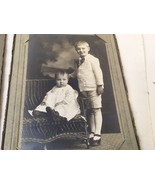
[{"x": 89, "y": 74}]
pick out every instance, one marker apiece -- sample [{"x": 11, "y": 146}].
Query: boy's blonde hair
[{"x": 80, "y": 43}]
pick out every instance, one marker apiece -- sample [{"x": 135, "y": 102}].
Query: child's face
[
  {"x": 82, "y": 50},
  {"x": 62, "y": 80}
]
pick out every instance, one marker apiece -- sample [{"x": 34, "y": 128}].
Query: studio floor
[{"x": 108, "y": 142}]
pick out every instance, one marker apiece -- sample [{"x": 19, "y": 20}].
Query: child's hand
[
  {"x": 100, "y": 89},
  {"x": 60, "y": 103}
]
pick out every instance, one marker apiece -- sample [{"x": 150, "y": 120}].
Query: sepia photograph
[
  {"x": 77, "y": 92},
  {"x": 69, "y": 96}
]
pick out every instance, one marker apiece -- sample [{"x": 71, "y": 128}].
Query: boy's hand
[{"x": 100, "y": 89}]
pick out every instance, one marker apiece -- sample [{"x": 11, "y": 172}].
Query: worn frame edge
[
  {"x": 16, "y": 90},
  {"x": 120, "y": 94}
]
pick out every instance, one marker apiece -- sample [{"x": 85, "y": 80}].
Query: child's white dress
[{"x": 63, "y": 100}]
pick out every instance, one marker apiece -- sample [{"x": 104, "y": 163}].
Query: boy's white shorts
[{"x": 94, "y": 99}]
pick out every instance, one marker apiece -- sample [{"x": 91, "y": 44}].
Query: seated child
[{"x": 61, "y": 100}]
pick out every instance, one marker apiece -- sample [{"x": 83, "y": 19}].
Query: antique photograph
[
  {"x": 70, "y": 94},
  {"x": 56, "y": 58}
]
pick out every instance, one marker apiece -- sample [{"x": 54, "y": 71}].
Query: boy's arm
[
  {"x": 97, "y": 72},
  {"x": 98, "y": 76},
  {"x": 74, "y": 74}
]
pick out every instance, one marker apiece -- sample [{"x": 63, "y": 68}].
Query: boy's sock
[
  {"x": 97, "y": 137},
  {"x": 92, "y": 125},
  {"x": 98, "y": 122},
  {"x": 91, "y": 135}
]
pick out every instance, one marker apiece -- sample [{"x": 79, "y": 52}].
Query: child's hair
[
  {"x": 62, "y": 72},
  {"x": 80, "y": 43}
]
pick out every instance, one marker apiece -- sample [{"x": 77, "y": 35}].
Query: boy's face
[
  {"x": 62, "y": 80},
  {"x": 82, "y": 50}
]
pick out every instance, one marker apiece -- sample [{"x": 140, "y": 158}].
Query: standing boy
[{"x": 90, "y": 80}]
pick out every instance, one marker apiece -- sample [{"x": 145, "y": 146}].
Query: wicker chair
[{"x": 41, "y": 129}]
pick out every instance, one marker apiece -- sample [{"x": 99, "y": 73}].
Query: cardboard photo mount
[{"x": 14, "y": 118}]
